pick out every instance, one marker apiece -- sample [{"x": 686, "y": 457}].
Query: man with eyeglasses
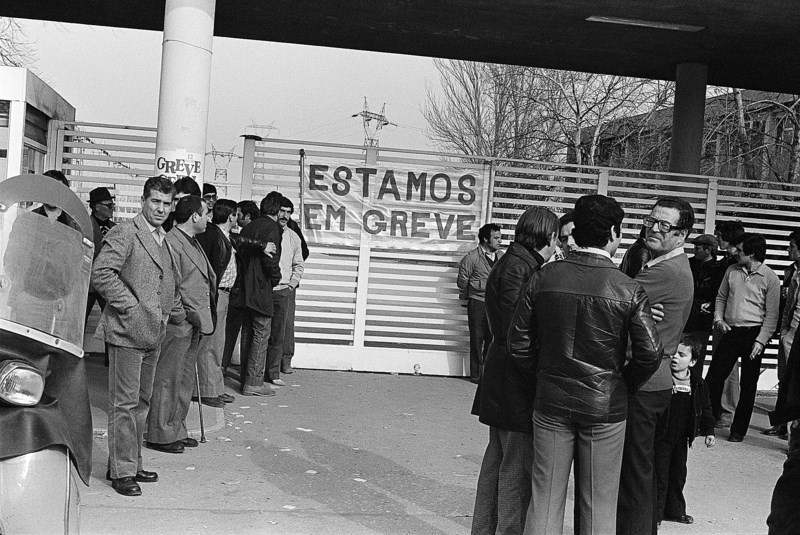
[
  {"x": 667, "y": 279},
  {"x": 101, "y": 203}
]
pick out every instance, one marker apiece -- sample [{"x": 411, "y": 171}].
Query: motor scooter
[{"x": 45, "y": 416}]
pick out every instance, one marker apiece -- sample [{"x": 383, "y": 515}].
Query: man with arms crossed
[
  {"x": 667, "y": 279},
  {"x": 134, "y": 274}
]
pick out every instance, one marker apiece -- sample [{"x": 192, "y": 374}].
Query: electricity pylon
[{"x": 373, "y": 123}]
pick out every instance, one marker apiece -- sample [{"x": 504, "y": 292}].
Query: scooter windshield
[{"x": 45, "y": 266}]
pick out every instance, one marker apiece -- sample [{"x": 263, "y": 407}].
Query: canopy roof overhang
[{"x": 745, "y": 43}]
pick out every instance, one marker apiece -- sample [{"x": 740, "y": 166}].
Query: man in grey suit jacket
[
  {"x": 175, "y": 372},
  {"x": 134, "y": 274}
]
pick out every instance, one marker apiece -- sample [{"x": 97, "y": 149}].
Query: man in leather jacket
[
  {"x": 504, "y": 399},
  {"x": 571, "y": 328}
]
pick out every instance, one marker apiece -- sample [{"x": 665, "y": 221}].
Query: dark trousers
[
  {"x": 275, "y": 345},
  {"x": 671, "y": 455},
  {"x": 479, "y": 336},
  {"x": 255, "y": 336},
  {"x": 648, "y": 414},
  {"x": 735, "y": 345},
  {"x": 93, "y": 298},
  {"x": 233, "y": 326}
]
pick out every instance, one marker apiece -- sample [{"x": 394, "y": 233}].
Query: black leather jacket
[
  {"x": 504, "y": 398},
  {"x": 572, "y": 327}
]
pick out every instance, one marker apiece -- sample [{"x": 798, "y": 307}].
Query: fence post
[
  {"x": 54, "y": 144},
  {"x": 248, "y": 166},
  {"x": 362, "y": 290},
  {"x": 602, "y": 182},
  {"x": 489, "y": 204},
  {"x": 711, "y": 205}
]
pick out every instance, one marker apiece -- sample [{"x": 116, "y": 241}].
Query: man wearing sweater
[
  {"x": 746, "y": 313},
  {"x": 473, "y": 272},
  {"x": 667, "y": 279}
]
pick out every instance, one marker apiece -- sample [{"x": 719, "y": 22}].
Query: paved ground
[{"x": 352, "y": 453}]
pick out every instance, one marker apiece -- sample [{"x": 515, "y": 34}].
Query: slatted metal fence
[{"x": 370, "y": 309}]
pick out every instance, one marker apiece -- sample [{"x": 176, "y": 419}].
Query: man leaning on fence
[{"x": 473, "y": 272}]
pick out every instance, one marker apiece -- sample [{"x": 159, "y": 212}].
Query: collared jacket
[
  {"x": 706, "y": 286},
  {"x": 197, "y": 283},
  {"x": 571, "y": 328},
  {"x": 702, "y": 419},
  {"x": 504, "y": 398},
  {"x": 261, "y": 273},
  {"x": 137, "y": 279},
  {"x": 473, "y": 271}
]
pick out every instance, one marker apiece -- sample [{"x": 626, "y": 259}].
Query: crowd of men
[
  {"x": 584, "y": 362},
  {"x": 176, "y": 284}
]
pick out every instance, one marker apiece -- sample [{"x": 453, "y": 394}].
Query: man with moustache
[{"x": 133, "y": 272}]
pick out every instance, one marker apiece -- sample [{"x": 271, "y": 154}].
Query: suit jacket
[
  {"x": 261, "y": 273},
  {"x": 131, "y": 274},
  {"x": 197, "y": 284}
]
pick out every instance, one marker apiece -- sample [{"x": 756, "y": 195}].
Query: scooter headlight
[{"x": 20, "y": 384}]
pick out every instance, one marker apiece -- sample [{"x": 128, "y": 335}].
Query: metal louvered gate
[{"x": 362, "y": 307}]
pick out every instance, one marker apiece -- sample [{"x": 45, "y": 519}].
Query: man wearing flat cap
[
  {"x": 101, "y": 203},
  {"x": 706, "y": 284}
]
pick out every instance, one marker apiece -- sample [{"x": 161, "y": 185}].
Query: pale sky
[{"x": 310, "y": 93}]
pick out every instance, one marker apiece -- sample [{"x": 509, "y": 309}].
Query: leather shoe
[
  {"x": 277, "y": 382},
  {"x": 189, "y": 442},
  {"x": 775, "y": 431},
  {"x": 735, "y": 437},
  {"x": 170, "y": 447},
  {"x": 683, "y": 519},
  {"x": 287, "y": 369},
  {"x": 142, "y": 476},
  {"x": 262, "y": 390},
  {"x": 127, "y": 486},
  {"x": 226, "y": 398},
  {"x": 211, "y": 402}
]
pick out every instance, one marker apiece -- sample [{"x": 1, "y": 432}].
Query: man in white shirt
[{"x": 291, "y": 264}]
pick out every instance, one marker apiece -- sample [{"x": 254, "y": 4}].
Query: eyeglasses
[{"x": 663, "y": 226}]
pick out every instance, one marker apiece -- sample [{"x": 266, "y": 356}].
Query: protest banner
[{"x": 430, "y": 209}]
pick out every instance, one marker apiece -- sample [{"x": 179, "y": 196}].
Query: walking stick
[{"x": 200, "y": 405}]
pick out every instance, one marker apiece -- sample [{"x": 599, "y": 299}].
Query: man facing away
[
  {"x": 746, "y": 314},
  {"x": 261, "y": 274},
  {"x": 291, "y": 264},
  {"x": 570, "y": 330},
  {"x": 246, "y": 212},
  {"x": 473, "y": 271},
  {"x": 175, "y": 372},
  {"x": 667, "y": 279},
  {"x": 134, "y": 274}
]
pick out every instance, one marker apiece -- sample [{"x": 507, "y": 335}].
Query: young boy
[{"x": 689, "y": 415}]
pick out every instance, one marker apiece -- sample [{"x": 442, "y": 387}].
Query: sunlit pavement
[{"x": 352, "y": 453}]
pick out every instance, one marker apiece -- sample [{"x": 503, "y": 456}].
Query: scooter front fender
[{"x": 39, "y": 494}]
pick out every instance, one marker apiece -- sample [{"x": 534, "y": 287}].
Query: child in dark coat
[{"x": 689, "y": 416}]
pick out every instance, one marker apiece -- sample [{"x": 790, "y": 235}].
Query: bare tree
[
  {"x": 524, "y": 112},
  {"x": 15, "y": 48}
]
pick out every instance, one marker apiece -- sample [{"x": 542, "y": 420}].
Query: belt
[{"x": 226, "y": 289}]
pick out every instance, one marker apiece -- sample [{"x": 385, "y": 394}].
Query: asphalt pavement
[{"x": 363, "y": 453}]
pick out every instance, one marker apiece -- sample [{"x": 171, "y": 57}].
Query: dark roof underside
[{"x": 752, "y": 44}]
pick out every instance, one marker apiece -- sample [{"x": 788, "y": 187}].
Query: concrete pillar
[
  {"x": 687, "y": 118},
  {"x": 185, "y": 87}
]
